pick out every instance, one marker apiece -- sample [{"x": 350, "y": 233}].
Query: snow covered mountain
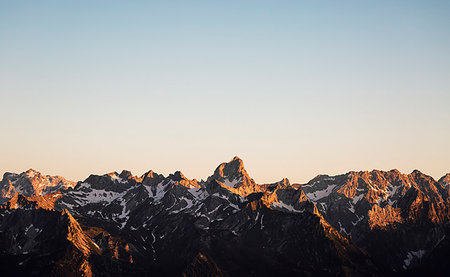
[{"x": 357, "y": 224}]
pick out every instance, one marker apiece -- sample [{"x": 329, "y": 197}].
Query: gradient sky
[{"x": 294, "y": 88}]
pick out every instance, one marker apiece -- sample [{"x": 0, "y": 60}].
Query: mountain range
[{"x": 377, "y": 223}]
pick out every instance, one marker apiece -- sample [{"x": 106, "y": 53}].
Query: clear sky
[{"x": 294, "y": 88}]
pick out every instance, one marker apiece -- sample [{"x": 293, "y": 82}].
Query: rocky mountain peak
[
  {"x": 115, "y": 177},
  {"x": 235, "y": 166},
  {"x": 149, "y": 174},
  {"x": 151, "y": 178},
  {"x": 125, "y": 174},
  {"x": 179, "y": 179},
  {"x": 112, "y": 174},
  {"x": 124, "y": 177},
  {"x": 177, "y": 176},
  {"x": 233, "y": 177},
  {"x": 422, "y": 180},
  {"x": 7, "y": 175},
  {"x": 395, "y": 171},
  {"x": 31, "y": 173},
  {"x": 31, "y": 183},
  {"x": 236, "y": 158},
  {"x": 284, "y": 182},
  {"x": 232, "y": 174},
  {"x": 445, "y": 180},
  {"x": 417, "y": 173}
]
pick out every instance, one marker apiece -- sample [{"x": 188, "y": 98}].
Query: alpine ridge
[{"x": 377, "y": 223}]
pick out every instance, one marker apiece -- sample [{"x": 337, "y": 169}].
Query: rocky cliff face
[
  {"x": 234, "y": 177},
  {"x": 445, "y": 181},
  {"x": 357, "y": 224},
  {"x": 31, "y": 183},
  {"x": 398, "y": 218},
  {"x": 41, "y": 242}
]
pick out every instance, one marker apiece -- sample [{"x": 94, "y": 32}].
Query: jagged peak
[
  {"x": 232, "y": 174},
  {"x": 31, "y": 173},
  {"x": 115, "y": 176},
  {"x": 233, "y": 168},
  {"x": 124, "y": 177},
  {"x": 236, "y": 158},
  {"x": 151, "y": 178},
  {"x": 126, "y": 174},
  {"x": 7, "y": 175},
  {"x": 283, "y": 182},
  {"x": 416, "y": 171},
  {"x": 417, "y": 174},
  {"x": 114, "y": 173},
  {"x": 32, "y": 183},
  {"x": 177, "y": 176},
  {"x": 445, "y": 178},
  {"x": 365, "y": 173},
  {"x": 151, "y": 174},
  {"x": 396, "y": 171}
]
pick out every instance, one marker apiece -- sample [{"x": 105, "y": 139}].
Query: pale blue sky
[{"x": 295, "y": 88}]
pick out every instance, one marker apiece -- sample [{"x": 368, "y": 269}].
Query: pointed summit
[
  {"x": 445, "y": 180},
  {"x": 179, "y": 179},
  {"x": 285, "y": 182},
  {"x": 149, "y": 174},
  {"x": 151, "y": 178},
  {"x": 177, "y": 176},
  {"x": 238, "y": 161},
  {"x": 125, "y": 174},
  {"x": 236, "y": 158},
  {"x": 31, "y": 172},
  {"x": 232, "y": 174}
]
